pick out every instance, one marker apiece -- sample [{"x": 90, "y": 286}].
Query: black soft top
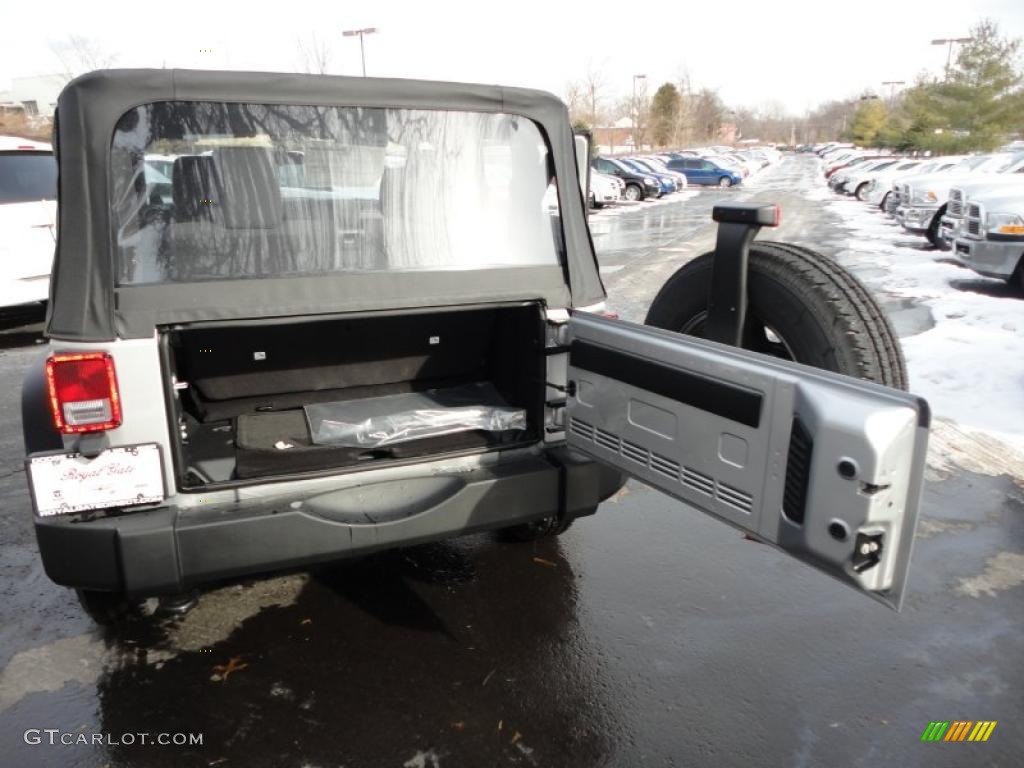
[{"x": 86, "y": 305}]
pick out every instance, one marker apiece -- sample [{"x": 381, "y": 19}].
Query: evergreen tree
[
  {"x": 665, "y": 114},
  {"x": 976, "y": 107},
  {"x": 868, "y": 121}
]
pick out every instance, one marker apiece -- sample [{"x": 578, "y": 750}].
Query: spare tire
[{"x": 801, "y": 306}]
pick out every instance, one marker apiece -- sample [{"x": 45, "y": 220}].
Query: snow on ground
[
  {"x": 624, "y": 206},
  {"x": 970, "y": 365}
]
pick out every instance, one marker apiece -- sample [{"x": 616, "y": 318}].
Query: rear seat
[{"x": 229, "y": 217}]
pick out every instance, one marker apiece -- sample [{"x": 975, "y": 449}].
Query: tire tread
[{"x": 869, "y": 342}]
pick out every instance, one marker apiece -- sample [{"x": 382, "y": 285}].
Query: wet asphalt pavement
[{"x": 647, "y": 635}]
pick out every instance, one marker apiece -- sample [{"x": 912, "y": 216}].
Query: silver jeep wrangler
[{"x": 301, "y": 318}]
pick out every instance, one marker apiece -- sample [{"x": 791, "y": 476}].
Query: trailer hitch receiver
[{"x": 727, "y": 303}]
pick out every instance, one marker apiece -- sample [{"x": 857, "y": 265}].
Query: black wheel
[
  {"x": 108, "y": 608},
  {"x": 933, "y": 230},
  {"x": 538, "y": 529},
  {"x": 801, "y": 306},
  {"x": 724, "y": 182},
  {"x": 885, "y": 201},
  {"x": 633, "y": 192},
  {"x": 862, "y": 191}
]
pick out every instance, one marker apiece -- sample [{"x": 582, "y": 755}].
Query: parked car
[
  {"x": 837, "y": 174},
  {"x": 847, "y": 160},
  {"x": 668, "y": 183},
  {"x": 751, "y": 165},
  {"x": 730, "y": 163},
  {"x": 304, "y": 379},
  {"x": 991, "y": 241},
  {"x": 657, "y": 164},
  {"x": 833, "y": 146},
  {"x": 705, "y": 172},
  {"x": 28, "y": 207},
  {"x": 846, "y": 181},
  {"x": 605, "y": 189},
  {"x": 639, "y": 186},
  {"x": 880, "y": 183},
  {"x": 837, "y": 155},
  {"x": 858, "y": 182},
  {"x": 893, "y": 199}
]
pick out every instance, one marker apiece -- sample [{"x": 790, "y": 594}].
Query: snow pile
[{"x": 970, "y": 365}]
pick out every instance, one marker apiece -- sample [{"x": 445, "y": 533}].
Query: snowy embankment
[{"x": 970, "y": 365}]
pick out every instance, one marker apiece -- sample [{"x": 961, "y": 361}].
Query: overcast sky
[{"x": 795, "y": 52}]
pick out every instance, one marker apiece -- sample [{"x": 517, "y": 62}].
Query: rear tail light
[{"x": 83, "y": 392}]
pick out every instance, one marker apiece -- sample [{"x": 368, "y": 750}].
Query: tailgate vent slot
[
  {"x": 734, "y": 497},
  {"x": 634, "y": 452},
  {"x": 687, "y": 476},
  {"x": 698, "y": 481},
  {"x": 606, "y": 439},
  {"x": 582, "y": 429},
  {"x": 664, "y": 466},
  {"x": 798, "y": 473}
]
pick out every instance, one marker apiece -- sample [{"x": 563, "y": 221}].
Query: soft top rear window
[{"x": 214, "y": 190}]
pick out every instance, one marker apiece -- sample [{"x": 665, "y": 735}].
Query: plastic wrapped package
[{"x": 380, "y": 421}]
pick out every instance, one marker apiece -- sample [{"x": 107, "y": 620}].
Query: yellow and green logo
[{"x": 958, "y": 730}]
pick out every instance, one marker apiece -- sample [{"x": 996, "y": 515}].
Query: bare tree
[
  {"x": 640, "y": 107},
  {"x": 595, "y": 80},
  {"x": 314, "y": 54},
  {"x": 585, "y": 97},
  {"x": 78, "y": 55},
  {"x": 574, "y": 101},
  {"x": 685, "y": 117},
  {"x": 709, "y": 113}
]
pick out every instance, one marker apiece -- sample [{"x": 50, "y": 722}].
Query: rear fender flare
[{"x": 37, "y": 428}]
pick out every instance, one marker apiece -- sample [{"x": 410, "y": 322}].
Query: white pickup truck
[
  {"x": 991, "y": 239},
  {"x": 923, "y": 199},
  {"x": 952, "y": 223}
]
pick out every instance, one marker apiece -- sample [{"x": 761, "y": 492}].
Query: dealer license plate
[{"x": 118, "y": 477}]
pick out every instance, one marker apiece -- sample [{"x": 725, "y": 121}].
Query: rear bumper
[
  {"x": 167, "y": 550},
  {"x": 988, "y": 257}
]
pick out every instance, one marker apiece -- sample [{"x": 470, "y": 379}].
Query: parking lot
[{"x": 647, "y": 635}]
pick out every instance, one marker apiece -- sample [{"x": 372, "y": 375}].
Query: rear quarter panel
[{"x": 141, "y": 388}]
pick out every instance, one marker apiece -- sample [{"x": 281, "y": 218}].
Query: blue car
[
  {"x": 700, "y": 171},
  {"x": 668, "y": 184}
]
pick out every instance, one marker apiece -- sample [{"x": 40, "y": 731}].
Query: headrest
[
  {"x": 250, "y": 194},
  {"x": 193, "y": 189}
]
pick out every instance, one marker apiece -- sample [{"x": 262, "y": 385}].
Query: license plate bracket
[{"x": 65, "y": 482}]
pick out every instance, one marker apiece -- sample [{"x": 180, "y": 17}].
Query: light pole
[
  {"x": 949, "y": 51},
  {"x": 636, "y": 111},
  {"x": 892, "y": 87},
  {"x": 361, "y": 33}
]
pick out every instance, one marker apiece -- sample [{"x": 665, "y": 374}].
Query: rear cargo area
[{"x": 257, "y": 399}]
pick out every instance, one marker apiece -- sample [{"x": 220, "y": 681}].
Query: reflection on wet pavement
[{"x": 647, "y": 635}]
